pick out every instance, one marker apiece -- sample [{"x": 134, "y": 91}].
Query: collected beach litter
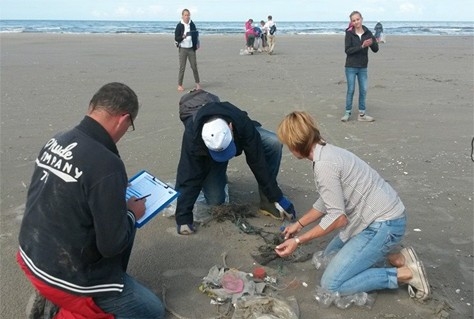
[{"x": 247, "y": 295}]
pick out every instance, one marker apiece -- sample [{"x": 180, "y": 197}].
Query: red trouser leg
[{"x": 70, "y": 306}]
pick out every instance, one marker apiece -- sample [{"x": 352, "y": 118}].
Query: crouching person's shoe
[
  {"x": 268, "y": 209},
  {"x": 272, "y": 212},
  {"x": 186, "y": 229}
]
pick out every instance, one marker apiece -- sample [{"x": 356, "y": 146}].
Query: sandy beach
[{"x": 420, "y": 92}]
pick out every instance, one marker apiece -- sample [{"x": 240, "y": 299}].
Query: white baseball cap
[{"x": 218, "y": 138}]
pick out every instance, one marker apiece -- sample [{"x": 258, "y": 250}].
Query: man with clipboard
[{"x": 78, "y": 230}]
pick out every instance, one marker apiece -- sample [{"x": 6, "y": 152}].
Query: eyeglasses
[{"x": 131, "y": 128}]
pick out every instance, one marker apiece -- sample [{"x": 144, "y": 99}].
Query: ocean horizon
[{"x": 430, "y": 28}]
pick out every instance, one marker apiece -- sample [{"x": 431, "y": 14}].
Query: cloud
[
  {"x": 126, "y": 11},
  {"x": 156, "y": 9},
  {"x": 99, "y": 14},
  {"x": 408, "y": 7},
  {"x": 122, "y": 12}
]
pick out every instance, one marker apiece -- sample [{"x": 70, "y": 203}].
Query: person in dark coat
[
  {"x": 378, "y": 31},
  {"x": 358, "y": 40},
  {"x": 78, "y": 229},
  {"x": 218, "y": 132},
  {"x": 186, "y": 38}
]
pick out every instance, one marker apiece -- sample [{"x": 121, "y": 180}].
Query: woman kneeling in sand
[{"x": 368, "y": 213}]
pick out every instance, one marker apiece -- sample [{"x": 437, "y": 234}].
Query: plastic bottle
[{"x": 325, "y": 298}]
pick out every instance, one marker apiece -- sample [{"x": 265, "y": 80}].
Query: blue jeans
[
  {"x": 354, "y": 267},
  {"x": 351, "y": 74},
  {"x": 136, "y": 301},
  {"x": 214, "y": 184}
]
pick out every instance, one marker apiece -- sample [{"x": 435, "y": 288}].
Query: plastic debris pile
[{"x": 247, "y": 295}]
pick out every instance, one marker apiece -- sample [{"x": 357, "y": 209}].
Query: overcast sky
[{"x": 239, "y": 10}]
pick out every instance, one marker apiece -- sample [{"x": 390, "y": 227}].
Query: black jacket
[
  {"x": 195, "y": 161},
  {"x": 358, "y": 57},
  {"x": 378, "y": 29},
  {"x": 179, "y": 32},
  {"x": 76, "y": 233}
]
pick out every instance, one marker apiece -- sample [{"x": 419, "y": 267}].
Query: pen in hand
[{"x": 143, "y": 197}]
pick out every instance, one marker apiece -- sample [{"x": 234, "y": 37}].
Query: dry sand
[{"x": 420, "y": 92}]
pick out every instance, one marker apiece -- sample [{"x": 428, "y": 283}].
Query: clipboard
[{"x": 161, "y": 194}]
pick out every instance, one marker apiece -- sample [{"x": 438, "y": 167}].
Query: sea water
[{"x": 433, "y": 28}]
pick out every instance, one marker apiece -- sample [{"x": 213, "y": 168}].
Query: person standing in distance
[
  {"x": 378, "y": 31},
  {"x": 264, "y": 35},
  {"x": 271, "y": 27},
  {"x": 357, "y": 43},
  {"x": 249, "y": 36},
  {"x": 78, "y": 230},
  {"x": 186, "y": 38}
]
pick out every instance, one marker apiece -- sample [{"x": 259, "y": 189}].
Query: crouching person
[
  {"x": 216, "y": 133},
  {"x": 78, "y": 230}
]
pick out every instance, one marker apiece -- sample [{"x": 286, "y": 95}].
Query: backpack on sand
[{"x": 191, "y": 102}]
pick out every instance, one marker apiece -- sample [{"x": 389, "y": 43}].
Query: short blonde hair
[{"x": 298, "y": 131}]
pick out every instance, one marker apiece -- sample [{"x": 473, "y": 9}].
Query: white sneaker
[
  {"x": 346, "y": 117},
  {"x": 365, "y": 118}
]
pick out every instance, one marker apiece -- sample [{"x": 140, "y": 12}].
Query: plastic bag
[
  {"x": 170, "y": 210},
  {"x": 382, "y": 38},
  {"x": 224, "y": 284},
  {"x": 266, "y": 307},
  {"x": 201, "y": 211},
  {"x": 320, "y": 261}
]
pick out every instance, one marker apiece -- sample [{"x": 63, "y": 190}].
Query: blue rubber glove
[{"x": 286, "y": 208}]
